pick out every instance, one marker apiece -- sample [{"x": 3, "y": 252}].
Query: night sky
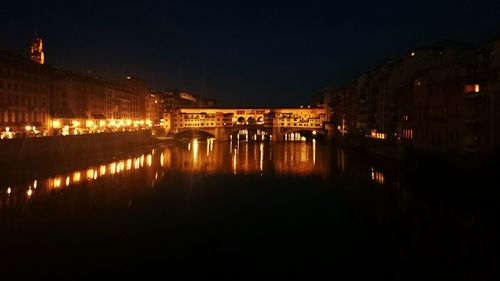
[{"x": 242, "y": 54}]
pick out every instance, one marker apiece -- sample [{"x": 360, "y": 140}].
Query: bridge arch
[
  {"x": 251, "y": 121},
  {"x": 253, "y": 133},
  {"x": 193, "y": 134},
  {"x": 241, "y": 120}
]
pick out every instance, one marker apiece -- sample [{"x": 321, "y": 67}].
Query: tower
[{"x": 36, "y": 53}]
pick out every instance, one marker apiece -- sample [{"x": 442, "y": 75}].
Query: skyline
[{"x": 239, "y": 54}]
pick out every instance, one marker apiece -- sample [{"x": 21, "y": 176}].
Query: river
[{"x": 244, "y": 210}]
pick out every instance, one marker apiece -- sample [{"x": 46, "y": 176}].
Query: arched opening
[
  {"x": 250, "y": 134},
  {"x": 251, "y": 121},
  {"x": 241, "y": 120},
  {"x": 188, "y": 135},
  {"x": 260, "y": 120}
]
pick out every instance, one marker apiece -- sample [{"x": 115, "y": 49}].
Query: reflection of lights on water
[
  {"x": 112, "y": 168},
  {"x": 137, "y": 163},
  {"x": 120, "y": 166},
  {"x": 161, "y": 159},
  {"x": 76, "y": 176},
  {"x": 234, "y": 160},
  {"x": 314, "y": 149},
  {"x": 149, "y": 160},
  {"x": 189, "y": 146},
  {"x": 261, "y": 152},
  {"x": 67, "y": 181},
  {"x": 90, "y": 173},
  {"x": 9, "y": 190},
  {"x": 377, "y": 176},
  {"x": 129, "y": 164},
  {"x": 35, "y": 184},
  {"x": 142, "y": 160},
  {"x": 195, "y": 149},
  {"x": 102, "y": 170},
  {"x": 57, "y": 182},
  {"x": 95, "y": 175},
  {"x": 156, "y": 175}
]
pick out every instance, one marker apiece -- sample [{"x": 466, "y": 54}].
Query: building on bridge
[{"x": 263, "y": 123}]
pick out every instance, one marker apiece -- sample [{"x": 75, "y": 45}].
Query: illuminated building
[
  {"x": 223, "y": 122},
  {"x": 36, "y": 54},
  {"x": 24, "y": 98}
]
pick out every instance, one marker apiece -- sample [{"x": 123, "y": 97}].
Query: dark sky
[{"x": 270, "y": 53}]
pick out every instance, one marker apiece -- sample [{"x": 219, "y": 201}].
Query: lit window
[{"x": 472, "y": 88}]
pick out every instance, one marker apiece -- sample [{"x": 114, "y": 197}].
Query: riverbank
[
  {"x": 33, "y": 152},
  {"x": 421, "y": 158}
]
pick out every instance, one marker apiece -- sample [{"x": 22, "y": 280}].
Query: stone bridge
[{"x": 226, "y": 124}]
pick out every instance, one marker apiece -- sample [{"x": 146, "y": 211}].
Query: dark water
[{"x": 250, "y": 211}]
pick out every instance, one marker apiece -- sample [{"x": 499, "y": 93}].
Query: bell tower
[{"x": 37, "y": 55}]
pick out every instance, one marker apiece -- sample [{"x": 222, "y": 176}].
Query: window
[{"x": 471, "y": 88}]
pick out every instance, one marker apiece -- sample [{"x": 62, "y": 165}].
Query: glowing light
[
  {"x": 314, "y": 132},
  {"x": 112, "y": 168},
  {"x": 377, "y": 176},
  {"x": 57, "y": 182},
  {"x": 76, "y": 176},
  {"x": 76, "y": 123},
  {"x": 65, "y": 131},
  {"x": 412, "y": 54},
  {"x": 28, "y": 128},
  {"x": 261, "y": 152},
  {"x": 9, "y": 190},
  {"x": 67, "y": 180},
  {"x": 102, "y": 170},
  {"x": 29, "y": 192},
  {"x": 234, "y": 161},
  {"x": 90, "y": 173},
  {"x": 195, "y": 149},
  {"x": 89, "y": 123},
  {"x": 35, "y": 184},
  {"x": 137, "y": 162},
  {"x": 314, "y": 151},
  {"x": 161, "y": 159},
  {"x": 56, "y": 124}
]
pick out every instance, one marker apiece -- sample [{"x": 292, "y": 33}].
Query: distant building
[
  {"x": 170, "y": 100},
  {"x": 153, "y": 107}
]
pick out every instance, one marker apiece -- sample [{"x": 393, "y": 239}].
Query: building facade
[
  {"x": 24, "y": 98},
  {"x": 442, "y": 97}
]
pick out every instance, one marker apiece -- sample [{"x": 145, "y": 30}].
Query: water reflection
[{"x": 199, "y": 157}]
